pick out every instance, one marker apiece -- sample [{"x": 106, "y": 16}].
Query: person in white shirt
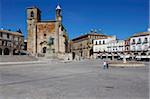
[{"x": 105, "y": 65}]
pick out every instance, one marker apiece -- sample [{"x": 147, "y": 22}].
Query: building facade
[
  {"x": 140, "y": 45},
  {"x": 100, "y": 45},
  {"x": 127, "y": 45},
  {"x": 109, "y": 47},
  {"x": 45, "y": 37},
  {"x": 135, "y": 47},
  {"x": 11, "y": 43},
  {"x": 82, "y": 46},
  {"x": 116, "y": 46}
]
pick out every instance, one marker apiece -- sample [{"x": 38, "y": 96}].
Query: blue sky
[{"x": 114, "y": 17}]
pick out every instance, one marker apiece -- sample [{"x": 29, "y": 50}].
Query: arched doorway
[
  {"x": 14, "y": 52},
  {"x": 0, "y": 51},
  {"x": 44, "y": 49},
  {"x": 6, "y": 51},
  {"x": 73, "y": 55}
]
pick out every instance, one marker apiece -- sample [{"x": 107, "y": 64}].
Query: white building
[
  {"x": 140, "y": 42},
  {"x": 100, "y": 45},
  {"x": 140, "y": 45},
  {"x": 135, "y": 47},
  {"x": 109, "y": 44},
  {"x": 109, "y": 47},
  {"x": 116, "y": 46}
]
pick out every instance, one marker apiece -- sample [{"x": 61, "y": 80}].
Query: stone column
[
  {"x": 113, "y": 57},
  {"x": 35, "y": 40},
  {"x": 132, "y": 55},
  {"x": 139, "y": 54},
  {"x": 106, "y": 55},
  {"x": 124, "y": 58},
  {"x": 101, "y": 55}
]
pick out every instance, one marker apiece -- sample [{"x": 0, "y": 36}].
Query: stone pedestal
[{"x": 49, "y": 53}]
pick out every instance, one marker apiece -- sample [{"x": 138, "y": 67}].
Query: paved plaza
[{"x": 73, "y": 80}]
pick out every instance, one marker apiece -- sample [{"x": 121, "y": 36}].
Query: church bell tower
[
  {"x": 33, "y": 16},
  {"x": 58, "y": 27},
  {"x": 58, "y": 13}
]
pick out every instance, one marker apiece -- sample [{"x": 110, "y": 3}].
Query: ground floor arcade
[
  {"x": 8, "y": 51},
  {"x": 143, "y": 55}
]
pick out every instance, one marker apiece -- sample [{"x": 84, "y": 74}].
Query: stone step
[{"x": 17, "y": 58}]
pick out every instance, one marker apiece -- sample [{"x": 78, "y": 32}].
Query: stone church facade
[{"x": 45, "y": 37}]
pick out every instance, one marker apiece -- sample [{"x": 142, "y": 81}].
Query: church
[{"x": 46, "y": 38}]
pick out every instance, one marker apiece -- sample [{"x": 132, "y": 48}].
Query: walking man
[{"x": 104, "y": 64}]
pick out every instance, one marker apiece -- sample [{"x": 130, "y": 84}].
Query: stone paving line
[
  {"x": 18, "y": 63},
  {"x": 33, "y": 62}
]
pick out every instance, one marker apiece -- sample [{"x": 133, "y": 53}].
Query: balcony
[
  {"x": 133, "y": 43},
  {"x": 145, "y": 42},
  {"x": 139, "y": 42}
]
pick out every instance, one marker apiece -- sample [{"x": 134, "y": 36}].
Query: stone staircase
[{"x": 17, "y": 58}]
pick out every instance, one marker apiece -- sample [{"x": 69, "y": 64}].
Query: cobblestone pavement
[{"x": 75, "y": 80}]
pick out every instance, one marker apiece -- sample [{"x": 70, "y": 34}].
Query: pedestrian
[
  {"x": 107, "y": 65},
  {"x": 104, "y": 65}
]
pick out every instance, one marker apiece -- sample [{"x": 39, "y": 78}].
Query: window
[
  {"x": 133, "y": 41},
  {"x": 1, "y": 34},
  {"x": 92, "y": 41},
  {"x": 127, "y": 48},
  {"x": 103, "y": 42},
  {"x": 32, "y": 14},
  {"x": 99, "y": 42},
  {"x": 44, "y": 36},
  {"x": 2, "y": 43},
  {"x": 139, "y": 41},
  {"x": 139, "y": 48},
  {"x": 146, "y": 47},
  {"x": 7, "y": 35},
  {"x": 134, "y": 48},
  {"x": 145, "y": 40},
  {"x": 96, "y": 42},
  {"x": 44, "y": 50}
]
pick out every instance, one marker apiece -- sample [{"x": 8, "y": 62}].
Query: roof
[
  {"x": 104, "y": 38},
  {"x": 86, "y": 35},
  {"x": 11, "y": 32},
  {"x": 141, "y": 34},
  {"x": 117, "y": 41},
  {"x": 46, "y": 21},
  {"x": 58, "y": 7},
  {"x": 32, "y": 7}
]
